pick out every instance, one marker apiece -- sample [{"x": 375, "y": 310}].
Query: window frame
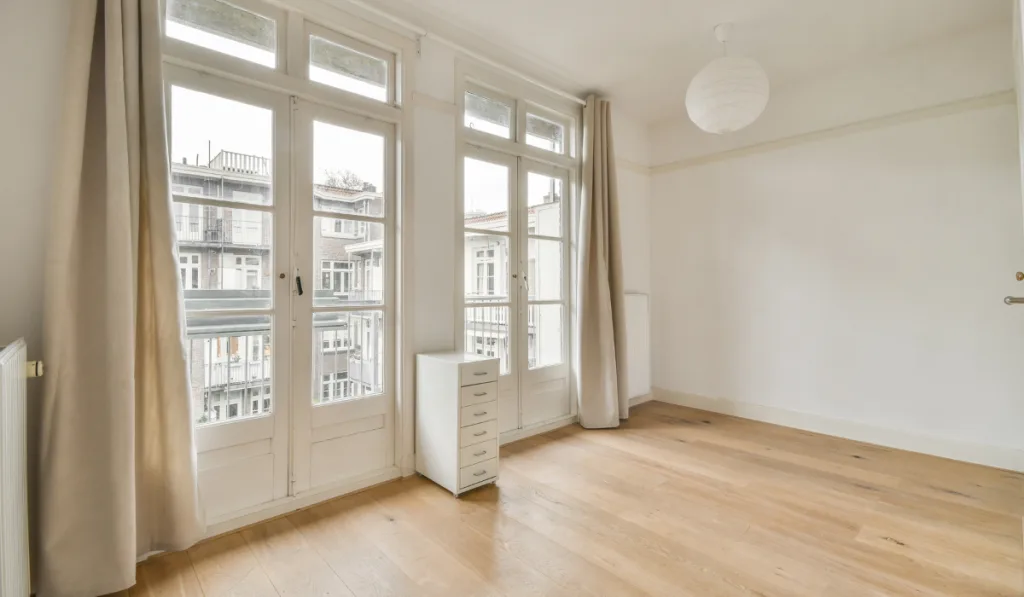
[
  {"x": 311, "y": 29},
  {"x": 524, "y": 99},
  {"x": 289, "y": 80},
  {"x": 568, "y": 146},
  {"x": 474, "y": 88},
  {"x": 175, "y": 46},
  {"x": 529, "y": 98}
]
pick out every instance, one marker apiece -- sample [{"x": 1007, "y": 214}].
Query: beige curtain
[
  {"x": 603, "y": 396},
  {"x": 117, "y": 458}
]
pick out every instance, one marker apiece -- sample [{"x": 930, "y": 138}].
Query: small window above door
[
  {"x": 490, "y": 114},
  {"x": 350, "y": 65},
  {"x": 224, "y": 27},
  {"x": 545, "y": 133}
]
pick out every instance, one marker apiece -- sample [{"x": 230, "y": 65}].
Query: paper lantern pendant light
[{"x": 728, "y": 94}]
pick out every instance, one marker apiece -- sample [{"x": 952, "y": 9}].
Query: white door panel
[
  {"x": 230, "y": 176},
  {"x": 515, "y": 273},
  {"x": 344, "y": 320}
]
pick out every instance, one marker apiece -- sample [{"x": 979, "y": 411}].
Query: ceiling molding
[
  {"x": 1001, "y": 98},
  {"x": 632, "y": 166}
]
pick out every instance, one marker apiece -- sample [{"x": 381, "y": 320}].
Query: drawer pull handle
[
  {"x": 483, "y": 472},
  {"x": 479, "y": 434},
  {"x": 479, "y": 394},
  {"x": 480, "y": 414},
  {"x": 480, "y": 453},
  {"x": 479, "y": 373}
]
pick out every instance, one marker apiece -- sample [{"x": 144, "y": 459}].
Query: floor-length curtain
[
  {"x": 603, "y": 397},
  {"x": 117, "y": 456}
]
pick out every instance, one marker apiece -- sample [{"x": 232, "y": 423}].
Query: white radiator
[{"x": 14, "y": 572}]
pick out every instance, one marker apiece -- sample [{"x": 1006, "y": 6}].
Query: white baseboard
[
  {"x": 518, "y": 434},
  {"x": 995, "y": 456},
  {"x": 637, "y": 400}
]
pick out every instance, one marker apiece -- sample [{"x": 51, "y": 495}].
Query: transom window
[
  {"x": 491, "y": 114},
  {"x": 224, "y": 27}
]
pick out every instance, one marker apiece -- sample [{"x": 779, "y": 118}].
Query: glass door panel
[
  {"x": 543, "y": 310},
  {"x": 225, "y": 141},
  {"x": 491, "y": 270},
  {"x": 344, "y": 411}
]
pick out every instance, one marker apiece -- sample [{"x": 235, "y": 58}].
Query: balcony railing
[
  {"x": 237, "y": 373},
  {"x": 241, "y": 163},
  {"x": 483, "y": 298},
  {"x": 197, "y": 229},
  {"x": 350, "y": 296}
]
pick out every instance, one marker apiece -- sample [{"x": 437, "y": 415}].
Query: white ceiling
[{"x": 643, "y": 53}]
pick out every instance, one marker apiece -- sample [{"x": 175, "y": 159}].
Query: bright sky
[{"x": 203, "y": 125}]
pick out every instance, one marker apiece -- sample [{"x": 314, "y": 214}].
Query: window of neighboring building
[
  {"x": 336, "y": 276},
  {"x": 188, "y": 267}
]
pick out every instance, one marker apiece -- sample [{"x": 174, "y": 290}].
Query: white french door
[
  {"x": 343, "y": 320},
  {"x": 292, "y": 390},
  {"x": 515, "y": 278},
  {"x": 544, "y": 294},
  {"x": 230, "y": 183}
]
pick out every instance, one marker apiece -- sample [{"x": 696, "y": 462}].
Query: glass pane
[
  {"x": 544, "y": 133},
  {"x": 488, "y": 115},
  {"x": 349, "y": 262},
  {"x": 487, "y": 333},
  {"x": 544, "y": 275},
  {"x": 486, "y": 195},
  {"x": 544, "y": 335},
  {"x": 486, "y": 266},
  {"x": 224, "y": 28},
  {"x": 348, "y": 170},
  {"x": 224, "y": 257},
  {"x": 347, "y": 69},
  {"x": 220, "y": 148},
  {"x": 230, "y": 367},
  {"x": 544, "y": 198},
  {"x": 348, "y": 355}
]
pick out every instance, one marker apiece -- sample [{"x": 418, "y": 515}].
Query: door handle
[
  {"x": 1014, "y": 300},
  {"x": 479, "y": 434}
]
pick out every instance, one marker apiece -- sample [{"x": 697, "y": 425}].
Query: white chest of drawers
[{"x": 457, "y": 420}]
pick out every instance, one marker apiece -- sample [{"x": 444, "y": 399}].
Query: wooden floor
[{"x": 678, "y": 502}]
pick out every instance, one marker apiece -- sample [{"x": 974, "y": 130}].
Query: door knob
[{"x": 1020, "y": 276}]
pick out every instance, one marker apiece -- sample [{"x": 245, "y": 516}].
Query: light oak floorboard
[{"x": 676, "y": 502}]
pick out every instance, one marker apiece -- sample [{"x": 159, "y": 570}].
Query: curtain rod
[{"x": 420, "y": 31}]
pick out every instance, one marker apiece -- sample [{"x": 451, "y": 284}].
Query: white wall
[
  {"x": 27, "y": 145},
  {"x": 433, "y": 201},
  {"x": 28, "y": 125},
  {"x": 852, "y": 282},
  {"x": 632, "y": 155}
]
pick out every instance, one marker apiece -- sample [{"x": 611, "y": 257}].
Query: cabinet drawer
[
  {"x": 485, "y": 392},
  {"x": 480, "y": 372},
  {"x": 479, "y": 413},
  {"x": 478, "y": 453},
  {"x": 481, "y": 432},
  {"x": 482, "y": 471}
]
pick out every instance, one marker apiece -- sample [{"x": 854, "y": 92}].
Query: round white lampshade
[{"x": 727, "y": 95}]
